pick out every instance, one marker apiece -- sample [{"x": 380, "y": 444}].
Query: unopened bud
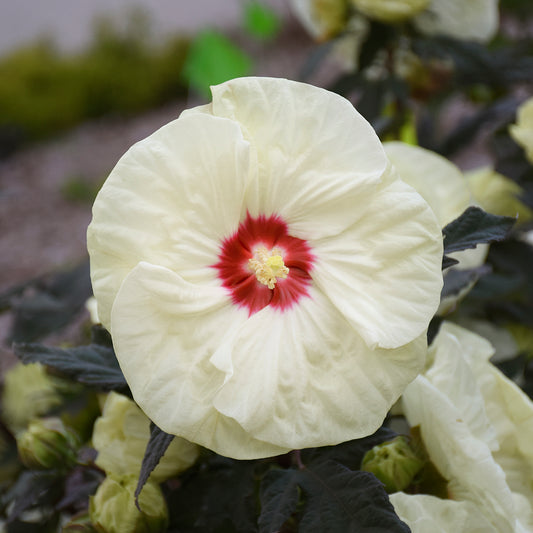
[
  {"x": 394, "y": 463},
  {"x": 47, "y": 444},
  {"x": 112, "y": 509}
]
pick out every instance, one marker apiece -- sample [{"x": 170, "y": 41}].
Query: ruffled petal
[
  {"x": 165, "y": 332},
  {"x": 384, "y": 272},
  {"x": 451, "y": 374},
  {"x": 424, "y": 513},
  {"x": 460, "y": 457},
  {"x": 169, "y": 201},
  {"x": 315, "y": 170},
  {"x": 320, "y": 384}
]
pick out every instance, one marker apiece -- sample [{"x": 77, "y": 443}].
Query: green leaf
[
  {"x": 213, "y": 59},
  {"x": 279, "y": 496},
  {"x": 336, "y": 500},
  {"x": 155, "y": 449},
  {"x": 260, "y": 21},
  {"x": 226, "y": 487},
  {"x": 448, "y": 262},
  {"x": 92, "y": 365},
  {"x": 340, "y": 500},
  {"x": 457, "y": 280},
  {"x": 473, "y": 227},
  {"x": 48, "y": 303},
  {"x": 33, "y": 488}
]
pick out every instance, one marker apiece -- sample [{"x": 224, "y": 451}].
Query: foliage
[{"x": 43, "y": 92}]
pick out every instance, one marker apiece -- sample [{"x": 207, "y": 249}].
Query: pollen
[{"x": 268, "y": 266}]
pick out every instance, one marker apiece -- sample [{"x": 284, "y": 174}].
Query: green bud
[
  {"x": 28, "y": 392},
  {"x": 394, "y": 463},
  {"x": 112, "y": 509},
  {"x": 47, "y": 444}
]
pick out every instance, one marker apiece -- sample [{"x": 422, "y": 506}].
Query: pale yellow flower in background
[
  {"x": 323, "y": 19},
  {"x": 189, "y": 234},
  {"x": 390, "y": 10},
  {"x": 522, "y": 131},
  {"x": 468, "y": 20},
  {"x": 477, "y": 427},
  {"x": 120, "y": 437},
  {"x": 497, "y": 194}
]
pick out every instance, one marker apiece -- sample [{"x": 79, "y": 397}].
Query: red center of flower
[{"x": 240, "y": 256}]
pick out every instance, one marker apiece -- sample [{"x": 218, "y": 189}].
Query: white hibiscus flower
[
  {"x": 477, "y": 428},
  {"x": 266, "y": 277}
]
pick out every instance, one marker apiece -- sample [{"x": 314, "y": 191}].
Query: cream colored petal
[
  {"x": 435, "y": 178},
  {"x": 459, "y": 456},
  {"x": 511, "y": 413},
  {"x": 319, "y": 383},
  {"x": 424, "y": 513},
  {"x": 319, "y": 160},
  {"x": 451, "y": 375},
  {"x": 497, "y": 194},
  {"x": 120, "y": 437},
  {"x": 522, "y": 131},
  {"x": 475, "y": 20},
  {"x": 165, "y": 332},
  {"x": 508, "y": 409},
  {"x": 169, "y": 201},
  {"x": 384, "y": 273}
]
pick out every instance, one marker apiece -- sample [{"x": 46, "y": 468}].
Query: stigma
[{"x": 268, "y": 266}]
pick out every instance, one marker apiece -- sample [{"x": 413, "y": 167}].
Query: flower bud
[
  {"x": 394, "y": 463},
  {"x": 112, "y": 509},
  {"x": 28, "y": 392},
  {"x": 47, "y": 444}
]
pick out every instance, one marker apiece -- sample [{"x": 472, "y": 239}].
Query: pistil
[{"x": 268, "y": 266}]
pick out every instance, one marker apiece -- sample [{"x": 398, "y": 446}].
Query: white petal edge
[
  {"x": 424, "y": 513},
  {"x": 170, "y": 200}
]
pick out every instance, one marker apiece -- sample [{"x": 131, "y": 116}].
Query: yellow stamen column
[{"x": 268, "y": 266}]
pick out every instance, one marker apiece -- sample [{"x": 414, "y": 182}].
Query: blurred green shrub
[{"x": 43, "y": 92}]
